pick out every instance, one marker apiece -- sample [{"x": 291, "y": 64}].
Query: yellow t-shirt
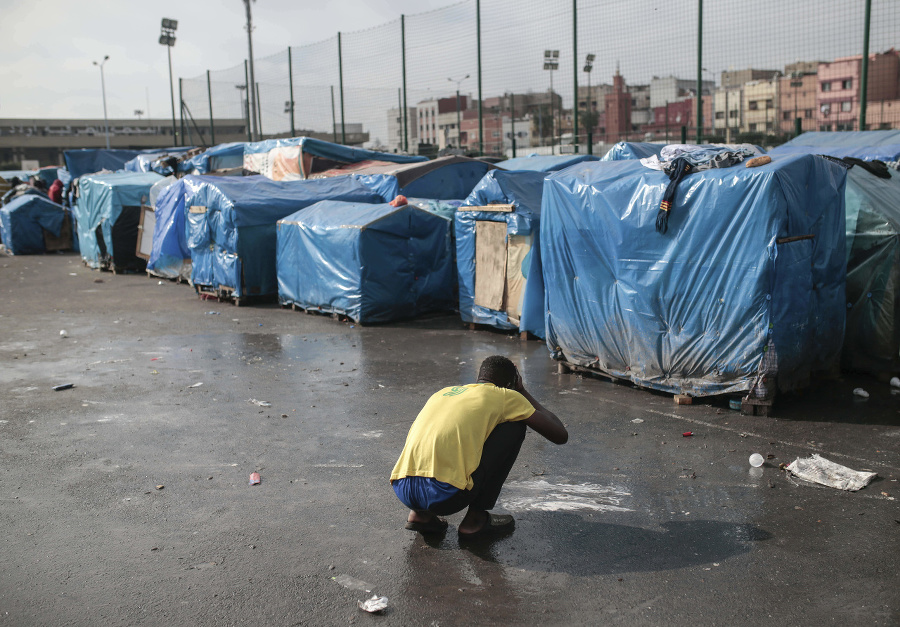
[{"x": 448, "y": 435}]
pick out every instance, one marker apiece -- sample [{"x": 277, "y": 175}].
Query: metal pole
[
  {"x": 258, "y": 114},
  {"x": 341, "y": 84},
  {"x": 667, "y": 121},
  {"x": 575, "y": 72},
  {"x": 699, "y": 71},
  {"x": 405, "y": 114},
  {"x": 103, "y": 91},
  {"x": 864, "y": 81},
  {"x": 399, "y": 117},
  {"x": 253, "y": 104},
  {"x": 247, "y": 102},
  {"x": 212, "y": 126},
  {"x": 181, "y": 112},
  {"x": 458, "y": 130},
  {"x": 512, "y": 105},
  {"x": 480, "y": 98},
  {"x": 172, "y": 95},
  {"x": 552, "y": 118},
  {"x": 291, "y": 90},
  {"x": 333, "y": 118}
]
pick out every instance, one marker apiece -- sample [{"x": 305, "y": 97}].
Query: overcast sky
[{"x": 47, "y": 46}]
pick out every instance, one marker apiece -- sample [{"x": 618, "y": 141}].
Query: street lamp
[
  {"x": 551, "y": 62},
  {"x": 458, "y": 125},
  {"x": 167, "y": 39},
  {"x": 589, "y": 105},
  {"x": 103, "y": 89},
  {"x": 139, "y": 113}
]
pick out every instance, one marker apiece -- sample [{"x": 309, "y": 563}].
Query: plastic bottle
[{"x": 756, "y": 460}]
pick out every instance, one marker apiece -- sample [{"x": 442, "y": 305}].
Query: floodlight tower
[
  {"x": 551, "y": 62},
  {"x": 167, "y": 39},
  {"x": 588, "y": 66},
  {"x": 103, "y": 88}
]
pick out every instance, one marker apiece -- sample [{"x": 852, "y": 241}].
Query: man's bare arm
[{"x": 543, "y": 420}]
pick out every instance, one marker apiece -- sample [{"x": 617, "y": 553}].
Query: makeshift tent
[
  {"x": 865, "y": 145},
  {"x": 498, "y": 252},
  {"x": 231, "y": 225},
  {"x": 220, "y": 157},
  {"x": 872, "y": 341},
  {"x": 303, "y": 157},
  {"x": 747, "y": 284},
  {"x": 33, "y": 224},
  {"x": 108, "y": 213},
  {"x": 632, "y": 150},
  {"x": 544, "y": 163},
  {"x": 370, "y": 262},
  {"x": 90, "y": 160}
]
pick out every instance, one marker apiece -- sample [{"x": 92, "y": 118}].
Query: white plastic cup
[{"x": 756, "y": 460}]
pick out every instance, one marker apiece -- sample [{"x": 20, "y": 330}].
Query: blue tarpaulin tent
[
  {"x": 544, "y": 163},
  {"x": 25, "y": 221},
  {"x": 747, "y": 284},
  {"x": 231, "y": 224},
  {"x": 370, "y": 262},
  {"x": 90, "y": 160},
  {"x": 632, "y": 150},
  {"x": 170, "y": 256},
  {"x": 303, "y": 157},
  {"x": 865, "y": 145},
  {"x": 107, "y": 214},
  {"x": 220, "y": 157},
  {"x": 445, "y": 177},
  {"x": 498, "y": 252}
]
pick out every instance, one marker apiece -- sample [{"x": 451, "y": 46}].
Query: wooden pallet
[
  {"x": 477, "y": 326},
  {"x": 318, "y": 311}
]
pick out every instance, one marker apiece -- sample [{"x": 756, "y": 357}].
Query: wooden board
[
  {"x": 517, "y": 250},
  {"x": 504, "y": 208},
  {"x": 490, "y": 264},
  {"x": 146, "y": 226}
]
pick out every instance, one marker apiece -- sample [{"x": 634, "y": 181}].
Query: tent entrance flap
[
  {"x": 146, "y": 227},
  {"x": 490, "y": 264},
  {"x": 63, "y": 241}
]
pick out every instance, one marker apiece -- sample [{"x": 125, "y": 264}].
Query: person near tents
[
  {"x": 55, "y": 193},
  {"x": 462, "y": 446}
]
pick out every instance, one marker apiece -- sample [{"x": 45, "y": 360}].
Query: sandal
[
  {"x": 435, "y": 525},
  {"x": 496, "y": 525}
]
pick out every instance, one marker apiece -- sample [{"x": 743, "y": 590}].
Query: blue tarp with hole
[
  {"x": 544, "y": 163},
  {"x": 231, "y": 225},
  {"x": 101, "y": 200},
  {"x": 632, "y": 150},
  {"x": 24, "y": 220},
  {"x": 523, "y": 189},
  {"x": 220, "y": 157},
  {"x": 695, "y": 310},
  {"x": 865, "y": 145},
  {"x": 370, "y": 262}
]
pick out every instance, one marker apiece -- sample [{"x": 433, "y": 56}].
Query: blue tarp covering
[
  {"x": 23, "y": 175},
  {"x": 170, "y": 256},
  {"x": 371, "y": 262},
  {"x": 446, "y": 177},
  {"x": 865, "y": 145},
  {"x": 23, "y": 221},
  {"x": 544, "y": 163},
  {"x": 695, "y": 310},
  {"x": 292, "y": 159},
  {"x": 231, "y": 224},
  {"x": 523, "y": 189},
  {"x": 632, "y": 150},
  {"x": 150, "y": 161},
  {"x": 220, "y": 157},
  {"x": 102, "y": 201},
  {"x": 90, "y": 160}
]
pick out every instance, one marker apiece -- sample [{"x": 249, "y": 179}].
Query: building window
[
  {"x": 808, "y": 113},
  {"x": 733, "y": 114},
  {"x": 753, "y": 127},
  {"x": 753, "y": 106},
  {"x": 847, "y": 84},
  {"x": 826, "y": 86},
  {"x": 720, "y": 115},
  {"x": 846, "y": 106},
  {"x": 787, "y": 116}
]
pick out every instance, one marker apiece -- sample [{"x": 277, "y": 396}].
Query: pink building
[
  {"x": 797, "y": 99},
  {"x": 838, "y": 94}
]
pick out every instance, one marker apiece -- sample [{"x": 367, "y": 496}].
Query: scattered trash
[
  {"x": 255, "y": 479},
  {"x": 63, "y": 333},
  {"x": 860, "y": 393},
  {"x": 213, "y": 313},
  {"x": 687, "y": 434},
  {"x": 259, "y": 403},
  {"x": 64, "y": 386},
  {"x": 160, "y": 283},
  {"x": 154, "y": 372},
  {"x": 682, "y": 399},
  {"x": 160, "y": 487},
  {"x": 260, "y": 324},
  {"x": 352, "y": 583},
  {"x": 373, "y": 605},
  {"x": 817, "y": 469},
  {"x": 638, "y": 421},
  {"x": 154, "y": 359},
  {"x": 735, "y": 404},
  {"x": 196, "y": 385},
  {"x": 98, "y": 280},
  {"x": 756, "y": 460},
  {"x": 895, "y": 382}
]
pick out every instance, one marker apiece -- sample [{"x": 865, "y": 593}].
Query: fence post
[
  {"x": 480, "y": 112},
  {"x": 341, "y": 85},
  {"x": 512, "y": 107},
  {"x": 181, "y": 112},
  {"x": 333, "y": 118},
  {"x": 699, "y": 71},
  {"x": 864, "y": 81},
  {"x": 212, "y": 126},
  {"x": 247, "y": 101},
  {"x": 575, "y": 74},
  {"x": 403, "y": 112},
  {"x": 259, "y": 131},
  {"x": 291, "y": 89}
]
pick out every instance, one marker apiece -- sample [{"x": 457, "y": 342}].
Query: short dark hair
[{"x": 498, "y": 370}]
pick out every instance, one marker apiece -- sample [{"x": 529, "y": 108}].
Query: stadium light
[
  {"x": 167, "y": 39},
  {"x": 103, "y": 88}
]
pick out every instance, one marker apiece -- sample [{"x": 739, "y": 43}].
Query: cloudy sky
[{"x": 48, "y": 46}]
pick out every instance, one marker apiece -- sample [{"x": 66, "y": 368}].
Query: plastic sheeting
[
  {"x": 219, "y": 157},
  {"x": 632, "y": 150},
  {"x": 445, "y": 177},
  {"x": 517, "y": 262},
  {"x": 371, "y": 262},
  {"x": 302, "y": 157},
  {"x": 110, "y": 204},
  {"x": 231, "y": 224},
  {"x": 696, "y": 310},
  {"x": 544, "y": 163},
  {"x": 872, "y": 342},
  {"x": 865, "y": 145},
  {"x": 24, "y": 220},
  {"x": 170, "y": 256}
]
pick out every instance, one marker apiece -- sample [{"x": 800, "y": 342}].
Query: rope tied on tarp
[{"x": 679, "y": 168}]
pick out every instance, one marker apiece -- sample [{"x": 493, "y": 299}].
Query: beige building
[
  {"x": 761, "y": 106},
  {"x": 728, "y": 112}
]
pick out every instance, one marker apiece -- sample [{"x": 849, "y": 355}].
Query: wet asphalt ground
[{"x": 125, "y": 499}]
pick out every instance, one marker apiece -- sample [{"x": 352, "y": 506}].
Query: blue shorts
[{"x": 420, "y": 493}]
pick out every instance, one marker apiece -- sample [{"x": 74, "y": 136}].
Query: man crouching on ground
[{"x": 462, "y": 446}]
